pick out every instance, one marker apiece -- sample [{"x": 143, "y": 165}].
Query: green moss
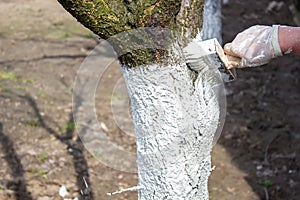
[{"x": 107, "y": 18}]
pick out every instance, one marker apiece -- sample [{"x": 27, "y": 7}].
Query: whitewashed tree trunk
[
  {"x": 175, "y": 120},
  {"x": 212, "y": 20},
  {"x": 175, "y": 113}
]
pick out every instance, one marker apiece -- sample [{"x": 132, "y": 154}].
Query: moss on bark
[{"x": 110, "y": 17}]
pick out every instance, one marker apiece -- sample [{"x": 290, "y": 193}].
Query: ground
[{"x": 41, "y": 49}]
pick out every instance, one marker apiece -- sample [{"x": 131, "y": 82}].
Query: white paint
[
  {"x": 212, "y": 27},
  {"x": 212, "y": 21},
  {"x": 135, "y": 188},
  {"x": 175, "y": 121}
]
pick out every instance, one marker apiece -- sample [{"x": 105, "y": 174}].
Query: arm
[
  {"x": 289, "y": 39},
  {"x": 258, "y": 45}
]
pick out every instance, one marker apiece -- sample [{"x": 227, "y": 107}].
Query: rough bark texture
[
  {"x": 110, "y": 17},
  {"x": 175, "y": 121}
]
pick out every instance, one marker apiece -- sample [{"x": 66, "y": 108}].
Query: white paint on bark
[
  {"x": 212, "y": 21},
  {"x": 175, "y": 121}
]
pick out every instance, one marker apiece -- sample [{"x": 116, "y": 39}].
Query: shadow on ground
[
  {"x": 74, "y": 148},
  {"x": 18, "y": 183}
]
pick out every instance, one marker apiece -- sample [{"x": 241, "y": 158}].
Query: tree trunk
[
  {"x": 212, "y": 21},
  {"x": 175, "y": 110},
  {"x": 175, "y": 121}
]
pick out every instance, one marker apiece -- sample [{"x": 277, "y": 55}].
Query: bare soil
[{"x": 41, "y": 49}]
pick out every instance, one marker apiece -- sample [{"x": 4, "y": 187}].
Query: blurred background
[{"x": 41, "y": 157}]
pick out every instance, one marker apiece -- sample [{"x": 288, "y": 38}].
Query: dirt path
[{"x": 41, "y": 49}]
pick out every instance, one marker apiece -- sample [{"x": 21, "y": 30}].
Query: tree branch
[{"x": 107, "y": 18}]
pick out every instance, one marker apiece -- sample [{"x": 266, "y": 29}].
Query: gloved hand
[{"x": 253, "y": 47}]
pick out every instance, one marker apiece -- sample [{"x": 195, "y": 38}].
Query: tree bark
[
  {"x": 107, "y": 18},
  {"x": 212, "y": 21},
  {"x": 175, "y": 120},
  {"x": 175, "y": 110}
]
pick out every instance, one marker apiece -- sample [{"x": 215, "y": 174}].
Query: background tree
[{"x": 175, "y": 109}]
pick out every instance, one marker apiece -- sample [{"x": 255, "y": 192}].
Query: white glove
[{"x": 253, "y": 47}]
